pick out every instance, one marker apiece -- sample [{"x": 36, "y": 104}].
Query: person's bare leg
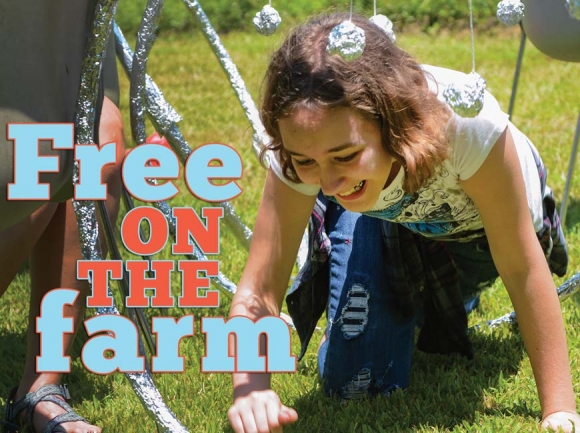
[
  {"x": 17, "y": 241},
  {"x": 53, "y": 265}
]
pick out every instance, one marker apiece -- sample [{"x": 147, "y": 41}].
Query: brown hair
[{"x": 384, "y": 85}]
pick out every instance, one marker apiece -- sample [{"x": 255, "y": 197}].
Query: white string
[
  {"x": 472, "y": 38},
  {"x": 350, "y": 18},
  {"x": 375, "y": 7}
]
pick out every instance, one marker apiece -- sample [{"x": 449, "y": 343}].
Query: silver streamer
[
  {"x": 261, "y": 138},
  {"x": 347, "y": 40},
  {"x": 568, "y": 288},
  {"x": 267, "y": 21},
  {"x": 510, "y": 12},
  {"x": 385, "y": 24},
  {"x": 466, "y": 96},
  {"x": 573, "y": 8},
  {"x": 85, "y": 211}
]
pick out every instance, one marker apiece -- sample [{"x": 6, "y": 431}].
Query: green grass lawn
[{"x": 494, "y": 392}]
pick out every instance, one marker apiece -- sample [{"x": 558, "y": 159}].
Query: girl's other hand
[
  {"x": 568, "y": 422},
  {"x": 260, "y": 412}
]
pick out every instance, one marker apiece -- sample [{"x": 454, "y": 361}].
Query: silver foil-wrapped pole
[
  {"x": 135, "y": 314},
  {"x": 91, "y": 68},
  {"x": 160, "y": 114},
  {"x": 156, "y": 104},
  {"x": 347, "y": 40},
  {"x": 569, "y": 287},
  {"x": 566, "y": 289},
  {"x": 145, "y": 40},
  {"x": 145, "y": 389},
  {"x": 221, "y": 282},
  {"x": 510, "y": 12},
  {"x": 266, "y": 21},
  {"x": 385, "y": 24},
  {"x": 261, "y": 138},
  {"x": 163, "y": 117},
  {"x": 466, "y": 96},
  {"x": 573, "y": 7},
  {"x": 158, "y": 109},
  {"x": 85, "y": 210}
]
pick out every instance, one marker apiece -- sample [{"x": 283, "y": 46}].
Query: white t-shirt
[{"x": 440, "y": 209}]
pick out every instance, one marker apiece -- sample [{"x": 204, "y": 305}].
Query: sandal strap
[
  {"x": 47, "y": 393},
  {"x": 10, "y": 424},
  {"x": 9, "y": 427},
  {"x": 53, "y": 425},
  {"x": 31, "y": 399},
  {"x": 44, "y": 393}
]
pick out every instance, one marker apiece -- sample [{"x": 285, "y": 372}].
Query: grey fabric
[{"x": 42, "y": 45}]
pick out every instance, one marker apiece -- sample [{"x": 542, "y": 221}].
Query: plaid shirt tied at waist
[{"x": 422, "y": 273}]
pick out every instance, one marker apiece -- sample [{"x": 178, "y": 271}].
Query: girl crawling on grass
[{"x": 414, "y": 210}]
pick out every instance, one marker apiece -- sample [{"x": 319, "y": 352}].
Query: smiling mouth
[{"x": 355, "y": 189}]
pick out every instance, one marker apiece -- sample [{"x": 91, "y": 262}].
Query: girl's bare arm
[
  {"x": 282, "y": 218},
  {"x": 498, "y": 191}
]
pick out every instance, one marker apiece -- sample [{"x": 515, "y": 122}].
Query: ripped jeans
[
  {"x": 369, "y": 343},
  {"x": 369, "y": 346}
]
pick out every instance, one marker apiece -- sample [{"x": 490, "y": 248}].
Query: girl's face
[{"x": 339, "y": 150}]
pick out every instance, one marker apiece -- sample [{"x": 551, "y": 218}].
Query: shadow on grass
[
  {"x": 572, "y": 213},
  {"x": 444, "y": 392},
  {"x": 25, "y": 268},
  {"x": 81, "y": 383},
  {"x": 12, "y": 352}
]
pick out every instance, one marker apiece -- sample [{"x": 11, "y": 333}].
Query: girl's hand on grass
[
  {"x": 568, "y": 422},
  {"x": 261, "y": 412}
]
